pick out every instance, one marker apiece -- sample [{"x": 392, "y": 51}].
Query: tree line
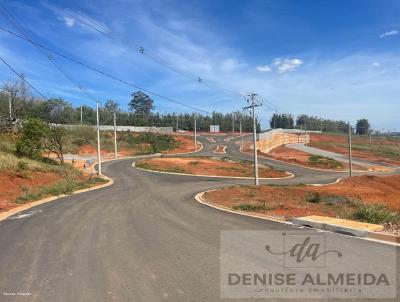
[
  {"x": 314, "y": 123},
  {"x": 140, "y": 112}
]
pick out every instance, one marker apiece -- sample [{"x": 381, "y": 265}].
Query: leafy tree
[
  {"x": 362, "y": 126},
  {"x": 285, "y": 121},
  {"x": 141, "y": 103},
  {"x": 53, "y": 141},
  {"x": 29, "y": 142},
  {"x": 111, "y": 106},
  {"x": 37, "y": 137}
]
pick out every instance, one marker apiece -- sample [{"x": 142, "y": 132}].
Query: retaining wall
[{"x": 278, "y": 137}]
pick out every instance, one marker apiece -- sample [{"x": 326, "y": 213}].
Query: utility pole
[
  {"x": 233, "y": 123},
  {"x": 177, "y": 123},
  {"x": 241, "y": 134},
  {"x": 370, "y": 138},
  {"x": 98, "y": 138},
  {"x": 195, "y": 133},
  {"x": 115, "y": 137},
  {"x": 9, "y": 104},
  {"x": 350, "y": 155},
  {"x": 81, "y": 116},
  {"x": 253, "y": 104},
  {"x": 321, "y": 126}
]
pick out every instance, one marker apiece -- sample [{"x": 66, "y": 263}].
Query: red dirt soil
[
  {"x": 291, "y": 201},
  {"x": 208, "y": 166},
  {"x": 316, "y": 139},
  {"x": 289, "y": 155},
  {"x": 186, "y": 145},
  {"x": 12, "y": 184}
]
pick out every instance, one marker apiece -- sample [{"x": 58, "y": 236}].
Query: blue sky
[{"x": 336, "y": 59}]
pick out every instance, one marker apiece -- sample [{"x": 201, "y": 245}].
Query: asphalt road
[{"x": 144, "y": 238}]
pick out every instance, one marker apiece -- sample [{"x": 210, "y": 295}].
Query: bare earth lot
[
  {"x": 363, "y": 198},
  {"x": 208, "y": 166},
  {"x": 381, "y": 150}
]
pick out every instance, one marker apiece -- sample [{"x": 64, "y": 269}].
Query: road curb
[
  {"x": 199, "y": 198},
  {"x": 5, "y": 215},
  {"x": 16, "y": 210},
  {"x": 341, "y": 229},
  {"x": 193, "y": 152},
  {"x": 211, "y": 176},
  {"x": 370, "y": 235}
]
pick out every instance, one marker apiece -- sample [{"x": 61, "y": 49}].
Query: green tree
[
  {"x": 141, "y": 103},
  {"x": 29, "y": 142},
  {"x": 362, "y": 126},
  {"x": 111, "y": 106}
]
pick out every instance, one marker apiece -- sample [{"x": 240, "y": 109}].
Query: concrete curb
[
  {"x": 223, "y": 149},
  {"x": 358, "y": 232},
  {"x": 5, "y": 215},
  {"x": 13, "y": 211},
  {"x": 199, "y": 198},
  {"x": 370, "y": 236},
  {"x": 328, "y": 184},
  {"x": 173, "y": 154},
  {"x": 210, "y": 176}
]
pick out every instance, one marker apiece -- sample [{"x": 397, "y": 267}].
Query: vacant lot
[
  {"x": 366, "y": 198},
  {"x": 84, "y": 141},
  {"x": 23, "y": 179},
  {"x": 208, "y": 166},
  {"x": 305, "y": 159},
  {"x": 382, "y": 149}
]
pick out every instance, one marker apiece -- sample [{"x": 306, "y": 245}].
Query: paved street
[{"x": 144, "y": 238}]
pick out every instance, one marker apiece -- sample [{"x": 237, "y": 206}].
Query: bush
[
  {"x": 375, "y": 213},
  {"x": 314, "y": 197},
  {"x": 247, "y": 207},
  {"x": 321, "y": 160},
  {"x": 22, "y": 165},
  {"x": 29, "y": 142}
]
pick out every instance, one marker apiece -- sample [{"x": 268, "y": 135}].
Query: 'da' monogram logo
[{"x": 306, "y": 250}]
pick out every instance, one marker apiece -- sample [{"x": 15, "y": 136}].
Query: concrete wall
[
  {"x": 278, "y": 137},
  {"x": 127, "y": 128}
]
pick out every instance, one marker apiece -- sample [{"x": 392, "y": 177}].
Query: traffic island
[
  {"x": 349, "y": 206},
  {"x": 209, "y": 166}
]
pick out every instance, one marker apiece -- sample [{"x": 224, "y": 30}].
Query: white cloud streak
[
  {"x": 389, "y": 33},
  {"x": 263, "y": 68},
  {"x": 287, "y": 65}
]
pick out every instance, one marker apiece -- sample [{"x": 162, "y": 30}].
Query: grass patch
[
  {"x": 315, "y": 160},
  {"x": 375, "y": 213},
  {"x": 64, "y": 186},
  {"x": 248, "y": 207}
]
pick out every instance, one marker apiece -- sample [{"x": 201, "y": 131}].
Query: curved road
[{"x": 144, "y": 238}]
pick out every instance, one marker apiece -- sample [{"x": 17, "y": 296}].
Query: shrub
[
  {"x": 375, "y": 213},
  {"x": 314, "y": 197},
  {"x": 247, "y": 207},
  {"x": 22, "y": 165},
  {"x": 29, "y": 142}
]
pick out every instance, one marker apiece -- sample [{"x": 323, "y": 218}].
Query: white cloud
[
  {"x": 70, "y": 22},
  {"x": 287, "y": 65},
  {"x": 264, "y": 68},
  {"x": 389, "y": 33},
  {"x": 376, "y": 64}
]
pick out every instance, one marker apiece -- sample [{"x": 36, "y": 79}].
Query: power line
[
  {"x": 22, "y": 78},
  {"x": 102, "y": 72},
  {"x": 93, "y": 24},
  {"x": 19, "y": 26}
]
